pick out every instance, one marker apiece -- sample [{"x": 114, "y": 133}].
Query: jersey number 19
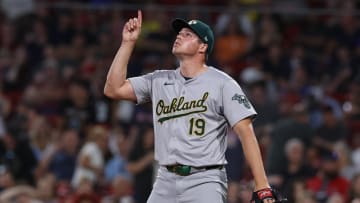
[{"x": 197, "y": 126}]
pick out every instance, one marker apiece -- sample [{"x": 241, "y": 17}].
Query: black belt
[{"x": 185, "y": 170}]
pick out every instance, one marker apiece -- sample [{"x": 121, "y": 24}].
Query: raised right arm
[{"x": 116, "y": 85}]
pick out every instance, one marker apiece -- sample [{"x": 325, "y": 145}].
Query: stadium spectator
[
  {"x": 328, "y": 181},
  {"x": 141, "y": 164},
  {"x": 355, "y": 188},
  {"x": 295, "y": 127},
  {"x": 6, "y": 178},
  {"x": 347, "y": 166},
  {"x": 117, "y": 165},
  {"x": 61, "y": 160},
  {"x": 330, "y": 132},
  {"x": 90, "y": 162},
  {"x": 121, "y": 191},
  {"x": 296, "y": 169}
]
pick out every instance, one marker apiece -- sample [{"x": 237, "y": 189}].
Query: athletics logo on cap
[{"x": 192, "y": 22}]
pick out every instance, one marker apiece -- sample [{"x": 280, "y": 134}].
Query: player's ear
[{"x": 203, "y": 47}]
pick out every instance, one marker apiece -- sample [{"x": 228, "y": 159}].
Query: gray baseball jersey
[{"x": 191, "y": 116}]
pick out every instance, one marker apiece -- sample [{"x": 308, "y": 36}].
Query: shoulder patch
[{"x": 242, "y": 99}]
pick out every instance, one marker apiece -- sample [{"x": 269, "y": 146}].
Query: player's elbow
[
  {"x": 109, "y": 92},
  {"x": 119, "y": 92}
]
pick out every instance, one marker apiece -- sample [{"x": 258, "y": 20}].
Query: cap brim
[{"x": 179, "y": 24}]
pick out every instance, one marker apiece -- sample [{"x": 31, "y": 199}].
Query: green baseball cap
[{"x": 201, "y": 29}]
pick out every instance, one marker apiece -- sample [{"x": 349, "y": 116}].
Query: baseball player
[{"x": 193, "y": 106}]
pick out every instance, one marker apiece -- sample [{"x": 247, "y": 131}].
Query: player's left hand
[{"x": 267, "y": 195}]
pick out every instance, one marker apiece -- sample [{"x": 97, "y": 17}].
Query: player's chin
[{"x": 175, "y": 51}]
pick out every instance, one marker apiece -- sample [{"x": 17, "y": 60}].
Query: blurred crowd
[{"x": 62, "y": 140}]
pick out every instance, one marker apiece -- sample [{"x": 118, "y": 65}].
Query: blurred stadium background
[{"x": 298, "y": 61}]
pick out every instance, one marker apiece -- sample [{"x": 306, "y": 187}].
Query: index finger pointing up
[{"x": 139, "y": 17}]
